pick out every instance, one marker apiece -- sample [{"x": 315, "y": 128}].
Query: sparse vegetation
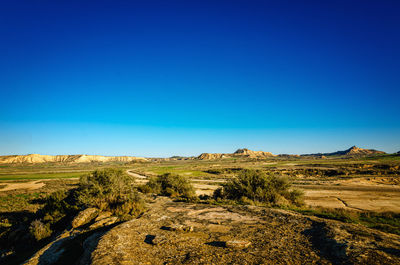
[
  {"x": 172, "y": 185},
  {"x": 33, "y": 217},
  {"x": 58, "y": 205},
  {"x": 259, "y": 187},
  {"x": 111, "y": 190},
  {"x": 107, "y": 189},
  {"x": 384, "y": 221},
  {"x": 39, "y": 230}
]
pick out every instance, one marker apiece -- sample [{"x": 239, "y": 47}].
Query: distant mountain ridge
[
  {"x": 352, "y": 151},
  {"x": 244, "y": 152},
  {"x": 36, "y": 158}
]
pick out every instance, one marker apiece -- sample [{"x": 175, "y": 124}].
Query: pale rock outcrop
[
  {"x": 104, "y": 222},
  {"x": 237, "y": 244},
  {"x": 84, "y": 217},
  {"x": 239, "y": 153},
  {"x": 36, "y": 158},
  {"x": 249, "y": 153},
  {"x": 209, "y": 156}
]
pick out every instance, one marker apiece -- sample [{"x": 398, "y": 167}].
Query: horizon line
[{"x": 318, "y": 153}]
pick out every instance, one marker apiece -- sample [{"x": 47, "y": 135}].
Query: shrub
[
  {"x": 170, "y": 185},
  {"x": 258, "y": 187},
  {"x": 112, "y": 190},
  {"x": 218, "y": 193},
  {"x": 58, "y": 205},
  {"x": 39, "y": 230}
]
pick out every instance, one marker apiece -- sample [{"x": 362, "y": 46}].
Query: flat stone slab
[
  {"x": 179, "y": 228},
  {"x": 237, "y": 244}
]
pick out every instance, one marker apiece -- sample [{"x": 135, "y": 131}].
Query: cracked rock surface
[
  {"x": 272, "y": 237},
  {"x": 187, "y": 233}
]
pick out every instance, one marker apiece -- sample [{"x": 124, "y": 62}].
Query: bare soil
[
  {"x": 31, "y": 185},
  {"x": 275, "y": 236}
]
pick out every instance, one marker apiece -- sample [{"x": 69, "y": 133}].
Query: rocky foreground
[{"x": 183, "y": 233}]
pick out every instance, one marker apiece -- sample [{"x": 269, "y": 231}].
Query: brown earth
[
  {"x": 184, "y": 233},
  {"x": 31, "y": 185},
  {"x": 353, "y": 199}
]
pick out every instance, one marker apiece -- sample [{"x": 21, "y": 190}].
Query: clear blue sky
[{"x": 162, "y": 78}]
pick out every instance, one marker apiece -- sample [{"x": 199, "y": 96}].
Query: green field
[{"x": 41, "y": 176}]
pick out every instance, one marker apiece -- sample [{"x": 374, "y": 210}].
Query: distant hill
[
  {"x": 35, "y": 158},
  {"x": 238, "y": 153},
  {"x": 210, "y": 156},
  {"x": 244, "y": 152},
  {"x": 352, "y": 151},
  {"x": 249, "y": 153}
]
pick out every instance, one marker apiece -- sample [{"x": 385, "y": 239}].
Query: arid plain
[{"x": 349, "y": 212}]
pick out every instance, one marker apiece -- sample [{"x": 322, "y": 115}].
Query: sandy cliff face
[
  {"x": 360, "y": 151},
  {"x": 356, "y": 151},
  {"x": 239, "y": 153},
  {"x": 352, "y": 151},
  {"x": 250, "y": 153},
  {"x": 209, "y": 156},
  {"x": 36, "y": 158}
]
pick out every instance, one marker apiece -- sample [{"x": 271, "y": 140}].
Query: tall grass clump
[
  {"x": 171, "y": 185},
  {"x": 257, "y": 187}
]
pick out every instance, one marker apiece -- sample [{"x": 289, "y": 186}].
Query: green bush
[
  {"x": 258, "y": 187},
  {"x": 39, "y": 230},
  {"x": 107, "y": 189},
  {"x": 111, "y": 190},
  {"x": 170, "y": 185},
  {"x": 58, "y": 205}
]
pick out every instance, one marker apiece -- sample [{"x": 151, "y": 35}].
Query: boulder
[
  {"x": 84, "y": 217},
  {"x": 237, "y": 244},
  {"x": 104, "y": 222},
  {"x": 103, "y": 215}
]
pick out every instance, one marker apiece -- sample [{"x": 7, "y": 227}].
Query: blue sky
[{"x": 162, "y": 78}]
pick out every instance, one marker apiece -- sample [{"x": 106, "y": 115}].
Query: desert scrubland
[{"x": 248, "y": 207}]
